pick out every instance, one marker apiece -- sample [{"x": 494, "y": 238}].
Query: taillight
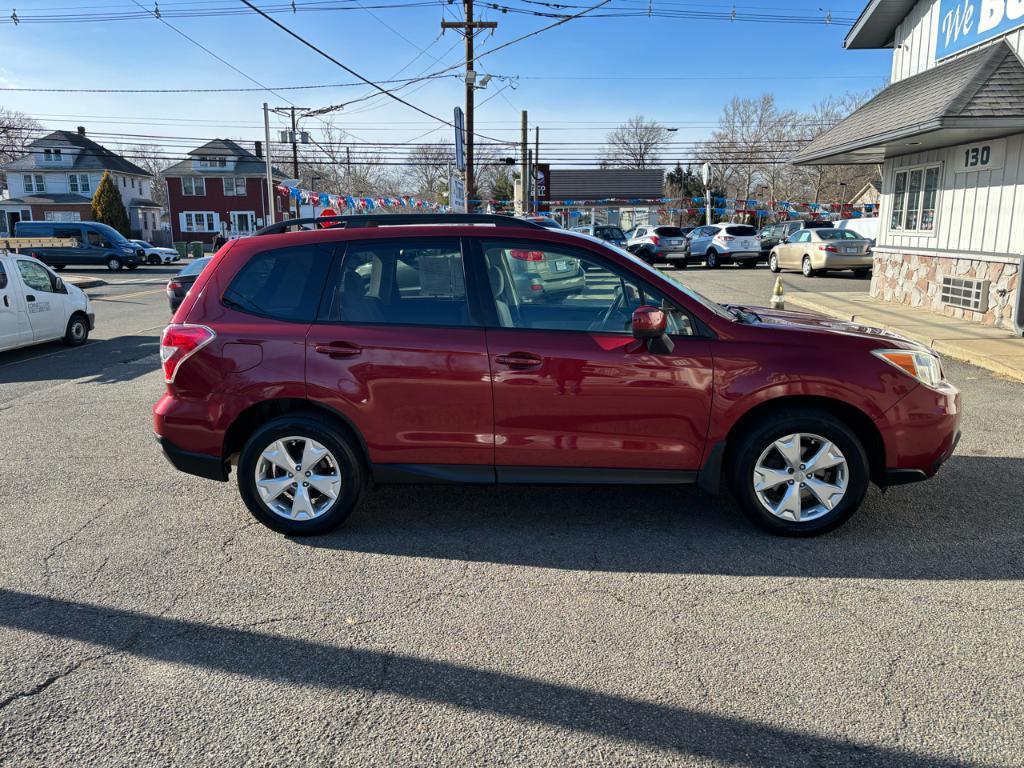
[
  {"x": 527, "y": 255},
  {"x": 174, "y": 285},
  {"x": 178, "y": 343},
  {"x": 829, "y": 248},
  {"x": 726, "y": 238},
  {"x": 654, "y": 239}
]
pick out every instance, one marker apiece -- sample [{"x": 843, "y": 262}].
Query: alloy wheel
[
  {"x": 806, "y": 267},
  {"x": 773, "y": 263},
  {"x": 801, "y": 477},
  {"x": 298, "y": 478}
]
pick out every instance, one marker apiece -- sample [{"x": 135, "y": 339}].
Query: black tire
[
  {"x": 59, "y": 267},
  {"x": 748, "y": 264},
  {"x": 349, "y": 467},
  {"x": 806, "y": 269},
  {"x": 681, "y": 264},
  {"x": 77, "y": 332},
  {"x": 862, "y": 273},
  {"x": 153, "y": 260},
  {"x": 712, "y": 259},
  {"x": 773, "y": 264},
  {"x": 114, "y": 264},
  {"x": 761, "y": 435}
]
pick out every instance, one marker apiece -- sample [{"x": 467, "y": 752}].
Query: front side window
[
  {"x": 35, "y": 277},
  {"x": 3, "y": 277},
  {"x": 401, "y": 283},
  {"x": 282, "y": 284},
  {"x": 541, "y": 286}
]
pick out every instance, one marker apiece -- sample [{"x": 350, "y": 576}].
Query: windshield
[
  {"x": 655, "y": 274},
  {"x": 838, "y": 234},
  {"x": 111, "y": 234},
  {"x": 195, "y": 267},
  {"x": 609, "y": 233},
  {"x": 142, "y": 243}
]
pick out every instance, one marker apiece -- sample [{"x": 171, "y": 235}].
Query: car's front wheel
[
  {"x": 800, "y": 473},
  {"x": 153, "y": 260},
  {"x": 300, "y": 476},
  {"x": 77, "y": 331},
  {"x": 773, "y": 263}
]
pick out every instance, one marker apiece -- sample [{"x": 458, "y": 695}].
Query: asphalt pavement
[{"x": 146, "y": 619}]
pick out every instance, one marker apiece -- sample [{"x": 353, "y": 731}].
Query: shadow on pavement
[
  {"x": 105, "y": 361},
  {"x": 951, "y": 528},
  {"x": 727, "y": 740}
]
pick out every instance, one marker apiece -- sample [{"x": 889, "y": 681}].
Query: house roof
[
  {"x": 977, "y": 96},
  {"x": 876, "y": 25},
  {"x": 247, "y": 163},
  {"x": 599, "y": 183},
  {"x": 141, "y": 202},
  {"x": 45, "y": 199},
  {"x": 91, "y": 157}
]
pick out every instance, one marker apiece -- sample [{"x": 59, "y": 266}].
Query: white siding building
[{"x": 949, "y": 131}]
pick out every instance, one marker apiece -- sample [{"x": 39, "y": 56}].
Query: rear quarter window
[{"x": 282, "y": 284}]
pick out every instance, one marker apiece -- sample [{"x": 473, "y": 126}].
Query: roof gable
[
  {"x": 876, "y": 25},
  {"x": 90, "y": 156}
]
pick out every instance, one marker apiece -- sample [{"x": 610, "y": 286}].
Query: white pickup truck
[{"x": 37, "y": 306}]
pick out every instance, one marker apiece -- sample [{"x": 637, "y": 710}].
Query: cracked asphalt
[{"x": 146, "y": 619}]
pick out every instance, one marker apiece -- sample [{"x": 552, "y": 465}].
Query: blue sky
[{"x": 577, "y": 80}]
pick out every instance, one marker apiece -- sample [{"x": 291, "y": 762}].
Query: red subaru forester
[{"x": 486, "y": 349}]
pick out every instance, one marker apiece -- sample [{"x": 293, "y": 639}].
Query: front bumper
[
  {"x": 92, "y": 320},
  {"x": 920, "y": 433}
]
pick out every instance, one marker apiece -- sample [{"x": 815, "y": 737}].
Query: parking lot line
[
  {"x": 120, "y": 296},
  {"x": 91, "y": 345}
]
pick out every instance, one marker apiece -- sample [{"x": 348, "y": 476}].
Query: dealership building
[{"x": 948, "y": 133}]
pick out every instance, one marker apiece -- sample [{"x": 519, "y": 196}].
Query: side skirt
[{"x": 486, "y": 474}]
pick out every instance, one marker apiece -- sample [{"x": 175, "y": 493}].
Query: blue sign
[{"x": 965, "y": 23}]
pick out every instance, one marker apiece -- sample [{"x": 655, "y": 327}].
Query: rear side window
[
  {"x": 282, "y": 284},
  {"x": 838, "y": 234},
  {"x": 401, "y": 282},
  {"x": 740, "y": 231}
]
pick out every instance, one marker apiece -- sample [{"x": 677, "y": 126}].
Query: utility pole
[
  {"x": 295, "y": 148},
  {"x": 469, "y": 28},
  {"x": 536, "y": 162},
  {"x": 270, "y": 176},
  {"x": 524, "y": 177}
]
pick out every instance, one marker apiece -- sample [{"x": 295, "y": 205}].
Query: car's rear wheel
[
  {"x": 300, "y": 476},
  {"x": 806, "y": 267},
  {"x": 862, "y": 273},
  {"x": 773, "y": 263},
  {"x": 799, "y": 473},
  {"x": 113, "y": 264},
  {"x": 712, "y": 259},
  {"x": 77, "y": 332}
]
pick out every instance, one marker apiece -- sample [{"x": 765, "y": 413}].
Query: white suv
[{"x": 719, "y": 244}]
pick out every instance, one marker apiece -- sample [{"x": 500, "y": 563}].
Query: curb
[
  {"x": 950, "y": 349},
  {"x": 85, "y": 282}
]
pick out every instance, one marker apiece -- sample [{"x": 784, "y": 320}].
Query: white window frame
[
  {"x": 237, "y": 186},
  {"x": 52, "y": 156},
  {"x": 194, "y": 183},
  {"x": 34, "y": 182},
  {"x": 212, "y": 162},
  {"x": 189, "y": 219},
  {"x": 251, "y": 218},
  {"x": 903, "y": 204},
  {"x": 75, "y": 182}
]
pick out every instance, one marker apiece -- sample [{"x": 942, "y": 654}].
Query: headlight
[{"x": 923, "y": 366}]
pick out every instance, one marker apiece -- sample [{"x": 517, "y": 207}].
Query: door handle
[
  {"x": 337, "y": 350},
  {"x": 520, "y": 360},
  {"x": 29, "y": 297},
  {"x": 7, "y": 302}
]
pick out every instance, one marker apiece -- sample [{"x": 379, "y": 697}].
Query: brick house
[
  {"x": 221, "y": 189},
  {"x": 56, "y": 179}
]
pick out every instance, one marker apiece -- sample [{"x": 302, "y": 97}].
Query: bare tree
[
  {"x": 429, "y": 168},
  {"x": 152, "y": 159},
  {"x": 637, "y": 143},
  {"x": 341, "y": 166},
  {"x": 17, "y": 131}
]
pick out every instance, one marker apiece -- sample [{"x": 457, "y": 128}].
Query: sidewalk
[
  {"x": 996, "y": 350},
  {"x": 85, "y": 282}
]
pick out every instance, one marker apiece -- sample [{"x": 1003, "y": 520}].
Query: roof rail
[{"x": 399, "y": 219}]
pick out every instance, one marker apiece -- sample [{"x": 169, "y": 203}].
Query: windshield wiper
[{"x": 743, "y": 314}]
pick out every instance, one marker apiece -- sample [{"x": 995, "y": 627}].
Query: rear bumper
[
  {"x": 841, "y": 261},
  {"x": 199, "y": 464},
  {"x": 727, "y": 256}
]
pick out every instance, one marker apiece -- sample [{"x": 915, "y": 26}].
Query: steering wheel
[{"x": 601, "y": 324}]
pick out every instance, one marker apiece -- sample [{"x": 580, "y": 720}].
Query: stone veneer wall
[{"x": 908, "y": 278}]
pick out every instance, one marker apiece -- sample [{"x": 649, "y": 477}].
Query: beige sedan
[{"x": 815, "y": 250}]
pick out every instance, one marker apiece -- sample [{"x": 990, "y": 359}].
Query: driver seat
[{"x": 497, "y": 280}]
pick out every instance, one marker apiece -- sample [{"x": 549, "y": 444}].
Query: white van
[
  {"x": 866, "y": 227},
  {"x": 37, "y": 306}
]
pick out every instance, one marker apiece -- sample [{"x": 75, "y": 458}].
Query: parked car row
[{"x": 96, "y": 244}]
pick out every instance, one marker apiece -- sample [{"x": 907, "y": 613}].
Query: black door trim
[{"x": 478, "y": 474}]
